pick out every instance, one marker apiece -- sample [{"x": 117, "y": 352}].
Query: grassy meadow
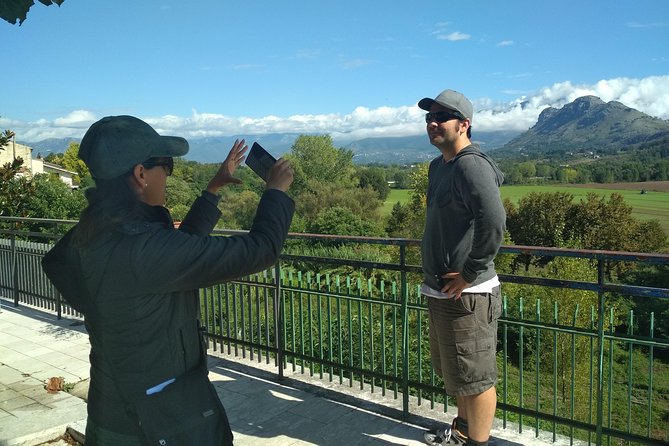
[{"x": 653, "y": 204}]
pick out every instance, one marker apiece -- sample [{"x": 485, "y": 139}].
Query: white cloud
[
  {"x": 454, "y": 36},
  {"x": 505, "y": 43},
  {"x": 649, "y": 95},
  {"x": 76, "y": 119}
]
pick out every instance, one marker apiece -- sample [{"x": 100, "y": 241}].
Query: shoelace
[{"x": 443, "y": 435}]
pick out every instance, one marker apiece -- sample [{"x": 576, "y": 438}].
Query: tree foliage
[
  {"x": 539, "y": 219},
  {"x": 15, "y": 189},
  {"x": 409, "y": 220},
  {"x": 552, "y": 219},
  {"x": 375, "y": 178},
  {"x": 179, "y": 195},
  {"x": 51, "y": 198},
  {"x": 648, "y": 162},
  {"x": 239, "y": 209},
  {"x": 316, "y": 160},
  {"x": 398, "y": 223},
  {"x": 5, "y": 138},
  {"x": 322, "y": 196},
  {"x": 17, "y": 10},
  {"x": 73, "y": 163},
  {"x": 343, "y": 221},
  {"x": 325, "y": 178}
]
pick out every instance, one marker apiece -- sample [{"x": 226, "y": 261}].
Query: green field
[
  {"x": 647, "y": 206},
  {"x": 401, "y": 195}
]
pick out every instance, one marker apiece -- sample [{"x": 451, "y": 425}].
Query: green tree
[
  {"x": 17, "y": 10},
  {"x": 513, "y": 176},
  {"x": 374, "y": 177},
  {"x": 321, "y": 196},
  {"x": 567, "y": 175},
  {"x": 398, "y": 221},
  {"x": 51, "y": 198},
  {"x": 14, "y": 189},
  {"x": 583, "y": 176},
  {"x": 179, "y": 196},
  {"x": 598, "y": 223},
  {"x": 54, "y": 158},
  {"x": 527, "y": 169},
  {"x": 649, "y": 236},
  {"x": 325, "y": 178},
  {"x": 602, "y": 173},
  {"x": 544, "y": 170},
  {"x": 72, "y": 162},
  {"x": 239, "y": 209},
  {"x": 417, "y": 202},
  {"x": 400, "y": 175},
  {"x": 343, "y": 221},
  {"x": 316, "y": 160},
  {"x": 660, "y": 171},
  {"x": 5, "y": 138},
  {"x": 539, "y": 219}
]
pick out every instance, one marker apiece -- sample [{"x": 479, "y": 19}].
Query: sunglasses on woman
[{"x": 165, "y": 163}]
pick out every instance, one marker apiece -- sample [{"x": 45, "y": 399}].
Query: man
[{"x": 464, "y": 228}]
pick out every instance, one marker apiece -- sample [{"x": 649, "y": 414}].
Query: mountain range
[
  {"x": 399, "y": 150},
  {"x": 586, "y": 124}
]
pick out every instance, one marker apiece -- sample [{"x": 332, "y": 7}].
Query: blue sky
[{"x": 350, "y": 68}]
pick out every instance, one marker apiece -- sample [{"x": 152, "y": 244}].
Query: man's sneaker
[{"x": 448, "y": 436}]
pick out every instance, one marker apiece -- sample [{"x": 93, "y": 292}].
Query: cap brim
[
  {"x": 426, "y": 103},
  {"x": 170, "y": 146}
]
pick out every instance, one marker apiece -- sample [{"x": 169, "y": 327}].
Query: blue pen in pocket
[{"x": 159, "y": 387}]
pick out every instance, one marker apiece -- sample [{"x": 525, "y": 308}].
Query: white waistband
[{"x": 484, "y": 287}]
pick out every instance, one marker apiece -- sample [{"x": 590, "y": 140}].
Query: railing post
[
  {"x": 278, "y": 318},
  {"x": 405, "y": 333},
  {"x": 15, "y": 271},
  {"x": 600, "y": 348}
]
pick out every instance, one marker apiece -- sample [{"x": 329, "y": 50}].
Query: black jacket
[{"x": 137, "y": 287}]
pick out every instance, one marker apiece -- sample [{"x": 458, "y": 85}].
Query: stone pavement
[{"x": 35, "y": 346}]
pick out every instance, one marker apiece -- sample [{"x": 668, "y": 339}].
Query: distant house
[
  {"x": 66, "y": 176},
  {"x": 15, "y": 150},
  {"x": 32, "y": 166}
]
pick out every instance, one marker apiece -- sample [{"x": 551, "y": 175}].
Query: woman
[{"x": 136, "y": 278}]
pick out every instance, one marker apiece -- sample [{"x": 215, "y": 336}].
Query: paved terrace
[{"x": 35, "y": 346}]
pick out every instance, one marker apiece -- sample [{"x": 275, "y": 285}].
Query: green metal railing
[{"x": 572, "y": 361}]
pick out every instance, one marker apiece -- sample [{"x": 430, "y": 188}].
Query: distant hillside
[
  {"x": 407, "y": 149},
  {"x": 51, "y": 145},
  {"x": 204, "y": 150},
  {"x": 587, "y": 124}
]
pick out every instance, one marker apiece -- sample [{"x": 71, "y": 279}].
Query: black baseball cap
[{"x": 113, "y": 145}]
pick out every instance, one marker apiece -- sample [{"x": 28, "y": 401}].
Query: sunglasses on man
[
  {"x": 442, "y": 116},
  {"x": 165, "y": 163}
]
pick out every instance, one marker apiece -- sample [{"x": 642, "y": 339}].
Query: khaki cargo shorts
[{"x": 463, "y": 341}]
